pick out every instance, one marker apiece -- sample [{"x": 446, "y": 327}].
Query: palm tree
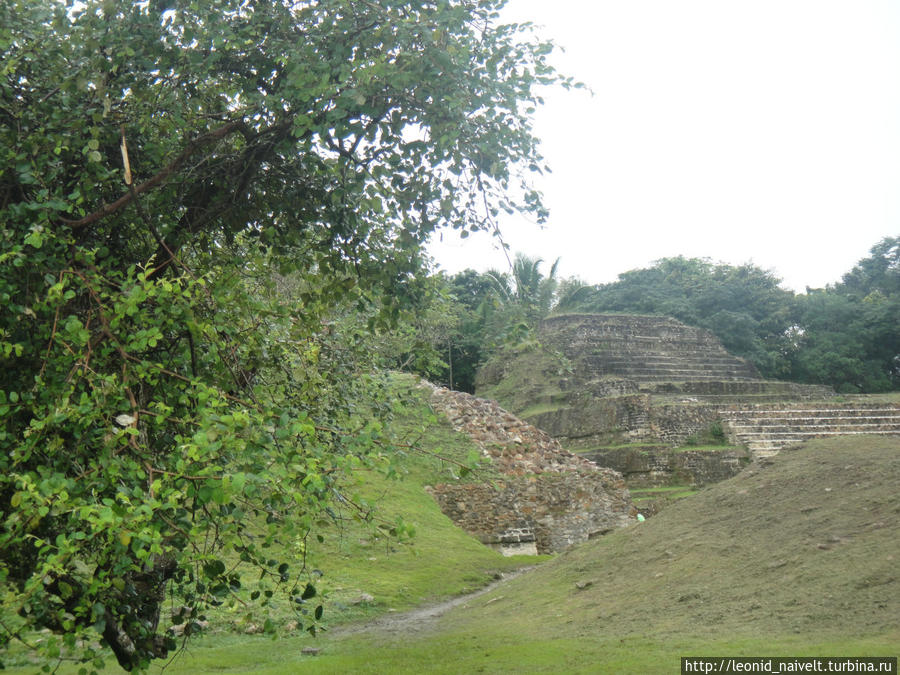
[
  {"x": 526, "y": 289},
  {"x": 534, "y": 292}
]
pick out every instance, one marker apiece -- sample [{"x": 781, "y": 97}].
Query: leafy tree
[
  {"x": 522, "y": 297},
  {"x": 526, "y": 287},
  {"x": 534, "y": 291},
  {"x": 831, "y": 344},
  {"x": 166, "y": 399},
  {"x": 445, "y": 340},
  {"x": 848, "y": 335},
  {"x": 471, "y": 289},
  {"x": 469, "y": 315},
  {"x": 469, "y": 347},
  {"x": 421, "y": 341},
  {"x": 879, "y": 272}
]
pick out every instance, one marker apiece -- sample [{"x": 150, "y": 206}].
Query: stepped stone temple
[{"x": 616, "y": 387}]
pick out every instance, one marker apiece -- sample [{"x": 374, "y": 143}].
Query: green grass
[
  {"x": 357, "y": 560},
  {"x": 667, "y": 489},
  {"x": 622, "y": 446},
  {"x": 488, "y": 650},
  {"x": 769, "y": 562},
  {"x": 664, "y": 495},
  {"x": 491, "y": 649},
  {"x": 892, "y": 397}
]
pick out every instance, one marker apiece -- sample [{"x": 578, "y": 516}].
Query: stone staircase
[
  {"x": 766, "y": 429},
  {"x": 728, "y": 392},
  {"x": 644, "y": 349},
  {"x": 653, "y": 366}
]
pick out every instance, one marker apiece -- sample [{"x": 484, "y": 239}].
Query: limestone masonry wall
[
  {"x": 517, "y": 447},
  {"x": 550, "y": 498},
  {"x": 652, "y": 466}
]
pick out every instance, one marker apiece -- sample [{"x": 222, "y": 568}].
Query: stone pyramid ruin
[{"x": 601, "y": 381}]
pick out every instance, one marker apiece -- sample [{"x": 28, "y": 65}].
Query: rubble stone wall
[
  {"x": 554, "y": 511},
  {"x": 550, "y": 496}
]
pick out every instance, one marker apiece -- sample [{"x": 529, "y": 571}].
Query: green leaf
[
  {"x": 309, "y": 592},
  {"x": 214, "y": 569}
]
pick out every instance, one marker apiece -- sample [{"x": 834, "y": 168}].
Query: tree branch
[{"x": 125, "y": 199}]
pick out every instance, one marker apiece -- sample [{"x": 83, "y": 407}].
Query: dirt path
[{"x": 425, "y": 618}]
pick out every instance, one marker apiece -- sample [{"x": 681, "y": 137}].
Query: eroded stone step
[
  {"x": 660, "y": 355},
  {"x": 811, "y": 431},
  {"x": 772, "y": 422},
  {"x": 757, "y": 444},
  {"x": 811, "y": 411},
  {"x": 727, "y": 398},
  {"x": 745, "y": 389},
  {"x": 680, "y": 378},
  {"x": 644, "y": 365},
  {"x": 678, "y": 374},
  {"x": 663, "y": 357},
  {"x": 642, "y": 362}
]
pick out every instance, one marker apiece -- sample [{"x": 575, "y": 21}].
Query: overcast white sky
[{"x": 739, "y": 130}]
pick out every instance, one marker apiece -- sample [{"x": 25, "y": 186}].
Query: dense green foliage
[
  {"x": 744, "y": 306},
  {"x": 198, "y": 199},
  {"x": 849, "y": 333},
  {"x": 846, "y": 335},
  {"x": 470, "y": 315}
]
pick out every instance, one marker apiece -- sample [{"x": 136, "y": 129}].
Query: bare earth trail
[{"x": 422, "y": 619}]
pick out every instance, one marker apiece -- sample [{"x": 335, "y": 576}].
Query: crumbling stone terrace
[
  {"x": 655, "y": 381},
  {"x": 549, "y": 498}
]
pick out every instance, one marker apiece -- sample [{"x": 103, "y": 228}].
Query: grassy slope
[
  {"x": 439, "y": 562},
  {"x": 796, "y": 558},
  {"x": 799, "y": 557}
]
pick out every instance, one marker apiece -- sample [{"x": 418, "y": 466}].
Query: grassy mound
[
  {"x": 796, "y": 557},
  {"x": 809, "y": 544},
  {"x": 525, "y": 379}
]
